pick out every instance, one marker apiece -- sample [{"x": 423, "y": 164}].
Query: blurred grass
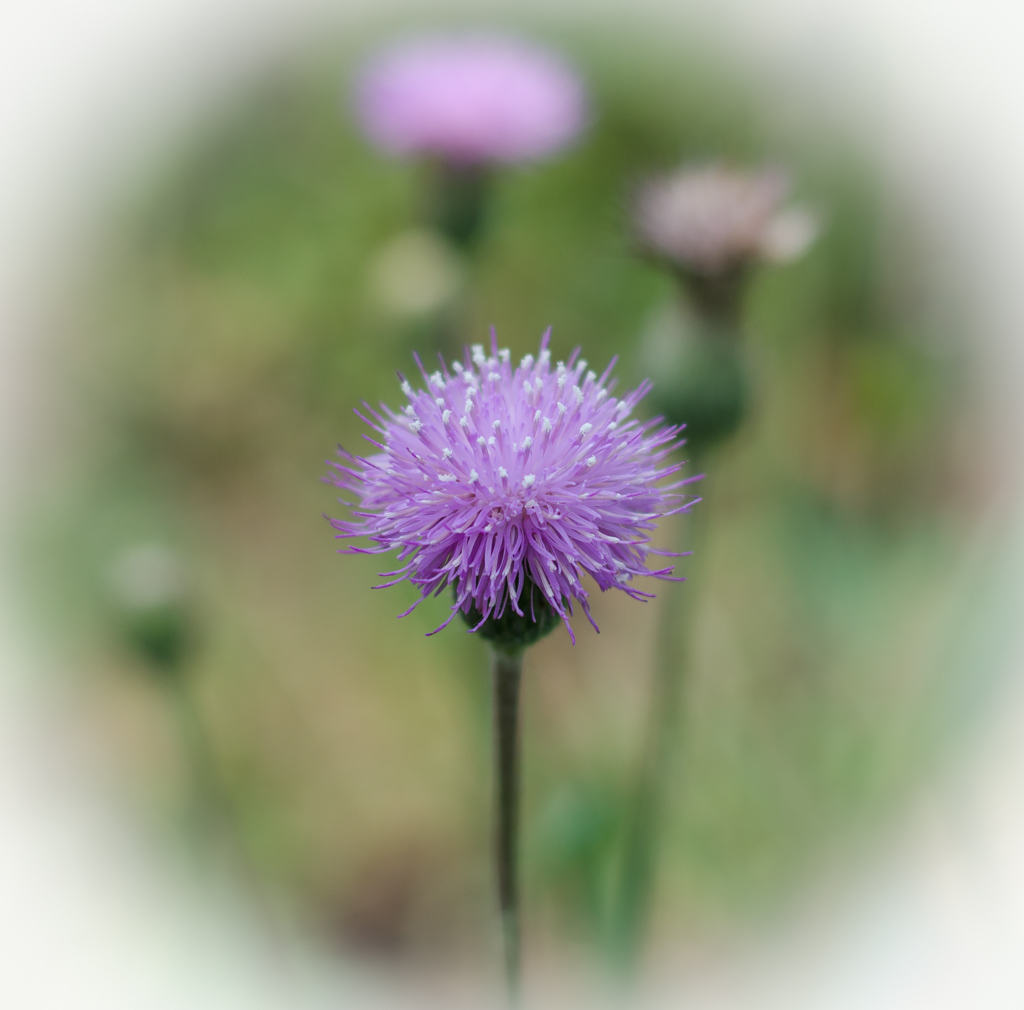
[{"x": 228, "y": 334}]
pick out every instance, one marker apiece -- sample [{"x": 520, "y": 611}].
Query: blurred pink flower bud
[
  {"x": 470, "y": 99},
  {"x": 713, "y": 219}
]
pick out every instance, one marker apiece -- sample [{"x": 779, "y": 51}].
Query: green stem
[
  {"x": 206, "y": 808},
  {"x": 662, "y": 732},
  {"x": 459, "y": 200},
  {"x": 506, "y": 672}
]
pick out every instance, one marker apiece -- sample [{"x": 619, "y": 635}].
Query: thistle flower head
[
  {"x": 470, "y": 99},
  {"x": 512, "y": 483},
  {"x": 711, "y": 219}
]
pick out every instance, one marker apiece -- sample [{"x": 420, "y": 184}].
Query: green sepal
[{"x": 511, "y": 632}]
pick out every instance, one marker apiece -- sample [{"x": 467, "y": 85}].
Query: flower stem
[
  {"x": 206, "y": 807},
  {"x": 460, "y": 197},
  {"x": 662, "y": 731},
  {"x": 506, "y": 672}
]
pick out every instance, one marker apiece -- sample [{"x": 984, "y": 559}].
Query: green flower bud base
[
  {"x": 161, "y": 636},
  {"x": 512, "y": 632},
  {"x": 709, "y": 392}
]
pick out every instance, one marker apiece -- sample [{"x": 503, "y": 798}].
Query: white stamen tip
[
  {"x": 527, "y": 361},
  {"x": 505, "y": 354},
  {"x": 528, "y": 441},
  {"x": 416, "y": 425},
  {"x": 546, "y": 425},
  {"x": 439, "y": 401},
  {"x": 529, "y": 479},
  {"x": 532, "y": 503},
  {"x": 446, "y": 417},
  {"x": 601, "y": 394},
  {"x": 592, "y": 461},
  {"x": 495, "y": 424},
  {"x": 527, "y": 388},
  {"x": 578, "y": 393},
  {"x": 492, "y": 441},
  {"x": 464, "y": 421},
  {"x": 502, "y": 472},
  {"x": 494, "y": 376},
  {"x": 536, "y": 415},
  {"x": 447, "y": 453},
  {"x": 446, "y": 478},
  {"x": 406, "y": 388},
  {"x": 612, "y": 426},
  {"x": 473, "y": 476},
  {"x": 584, "y": 428},
  {"x": 437, "y": 380},
  {"x": 478, "y": 354},
  {"x": 481, "y": 440},
  {"x": 561, "y": 408}
]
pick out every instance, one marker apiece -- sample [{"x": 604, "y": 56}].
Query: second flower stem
[
  {"x": 506, "y": 671},
  {"x": 661, "y": 740}
]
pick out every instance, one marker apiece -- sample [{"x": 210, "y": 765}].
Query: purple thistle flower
[
  {"x": 498, "y": 479},
  {"x": 470, "y": 99}
]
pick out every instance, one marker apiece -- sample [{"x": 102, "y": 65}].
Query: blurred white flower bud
[
  {"x": 789, "y": 235},
  {"x": 147, "y": 575},
  {"x": 416, "y": 273}
]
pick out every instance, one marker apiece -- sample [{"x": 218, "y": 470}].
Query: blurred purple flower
[
  {"x": 494, "y": 477},
  {"x": 711, "y": 219},
  {"x": 470, "y": 99}
]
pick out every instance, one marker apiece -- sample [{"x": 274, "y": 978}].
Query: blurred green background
[{"x": 233, "y": 321}]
